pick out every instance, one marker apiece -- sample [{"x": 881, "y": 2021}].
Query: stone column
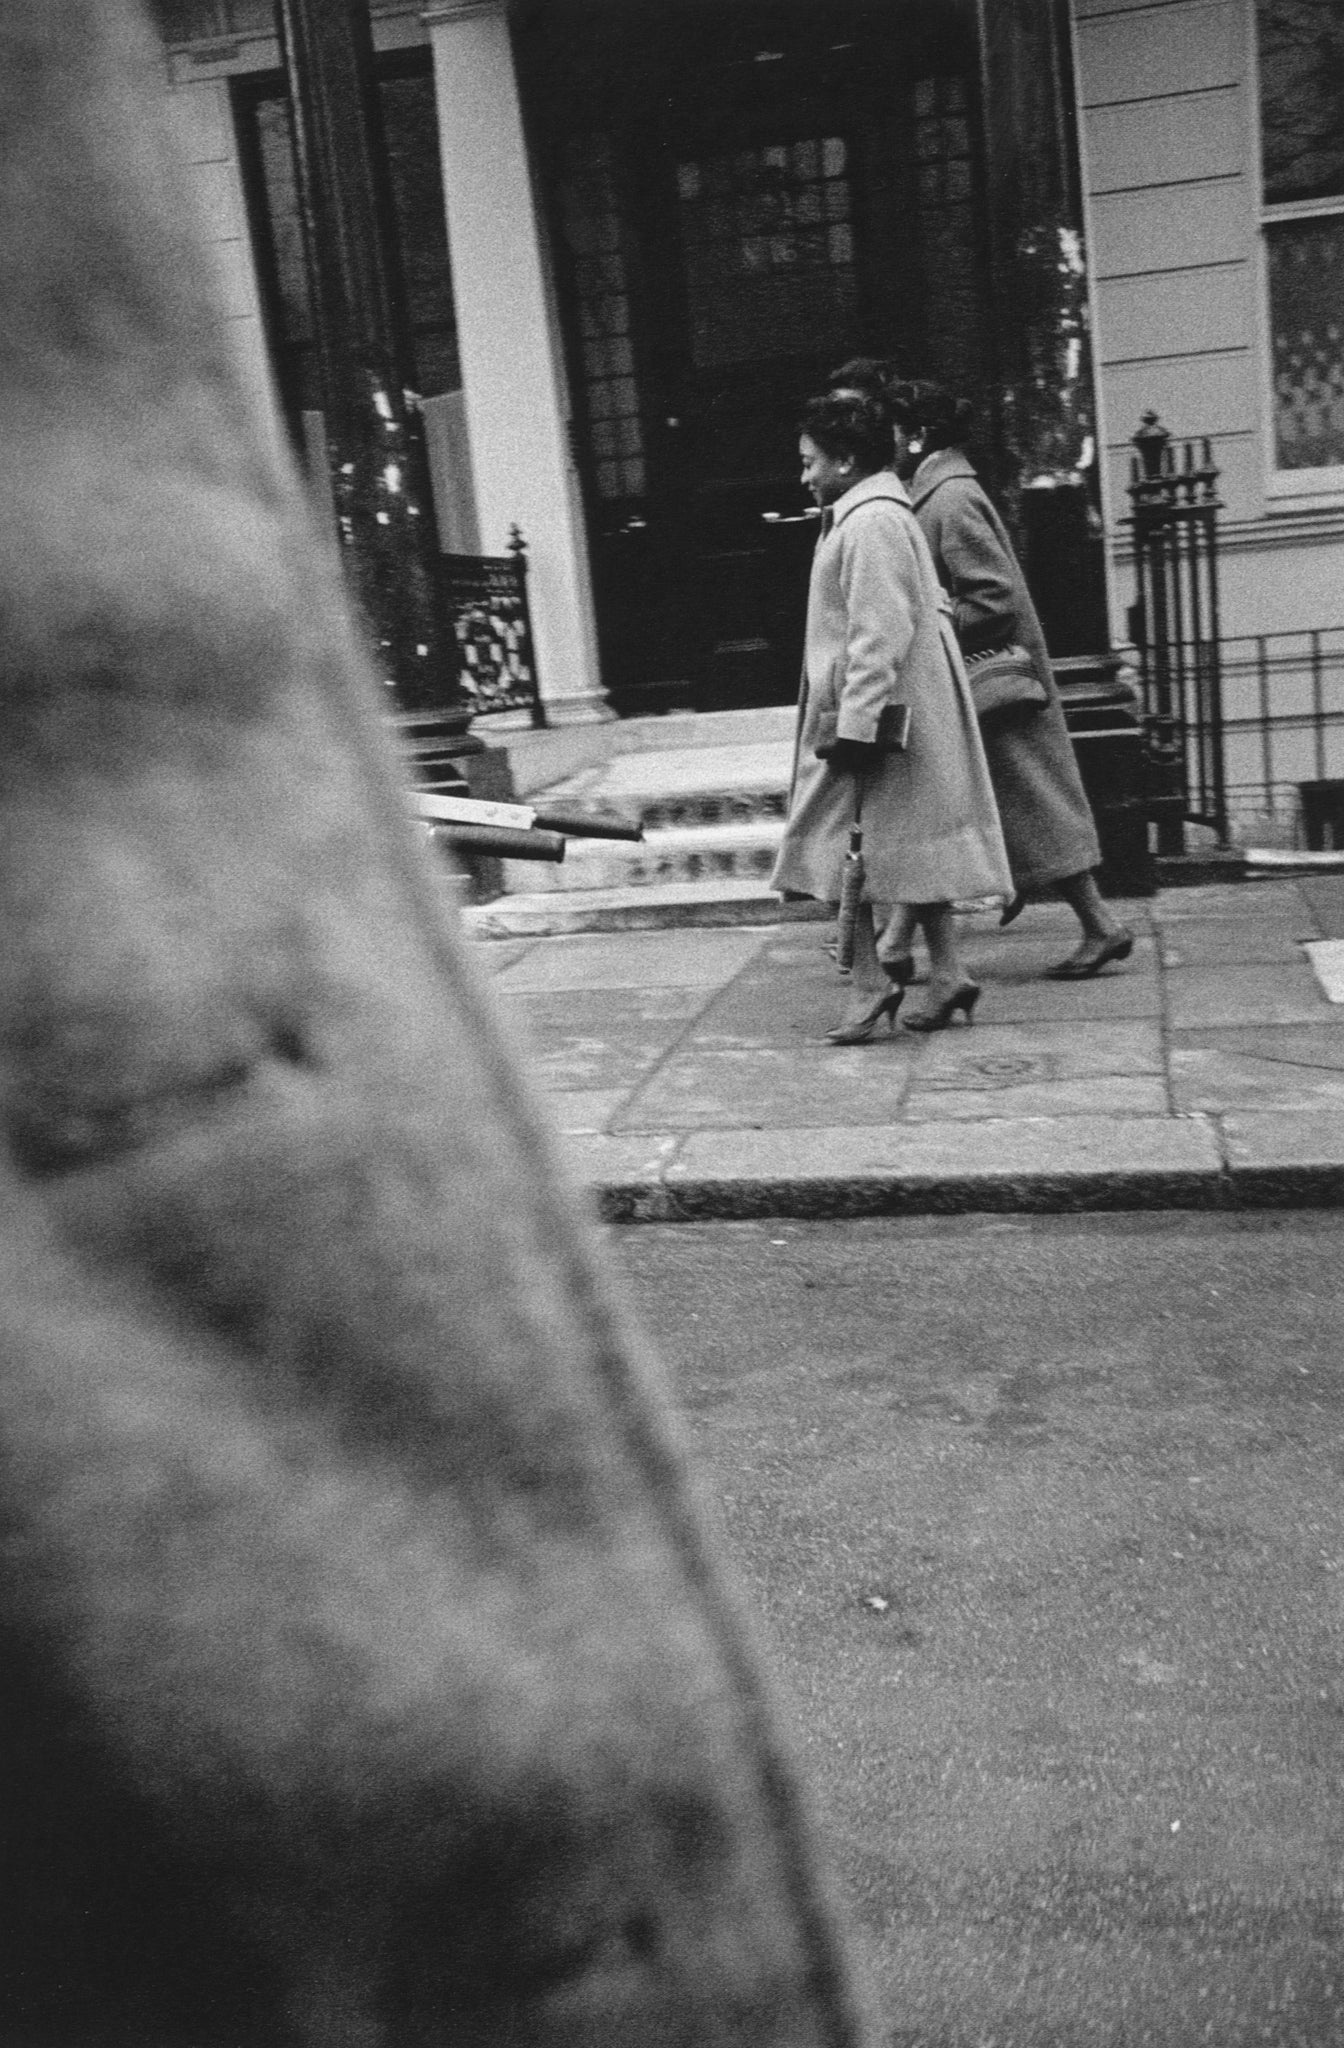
[
  {"x": 375, "y": 441},
  {"x": 513, "y": 378}
]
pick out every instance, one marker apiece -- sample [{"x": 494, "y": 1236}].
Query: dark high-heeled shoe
[
  {"x": 1012, "y": 910},
  {"x": 945, "y": 999},
  {"x": 858, "y": 1030},
  {"x": 1092, "y": 956},
  {"x": 900, "y": 969}
]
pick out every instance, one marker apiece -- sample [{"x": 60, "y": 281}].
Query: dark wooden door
[{"x": 744, "y": 196}]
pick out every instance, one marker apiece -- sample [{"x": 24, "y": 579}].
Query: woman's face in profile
[{"x": 827, "y": 477}]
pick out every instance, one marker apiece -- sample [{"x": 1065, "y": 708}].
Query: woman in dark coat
[
  {"x": 879, "y": 637},
  {"x": 1047, "y": 821}
]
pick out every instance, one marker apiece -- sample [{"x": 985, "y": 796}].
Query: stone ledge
[{"x": 653, "y": 906}]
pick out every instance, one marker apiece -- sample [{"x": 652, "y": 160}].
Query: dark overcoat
[
  {"x": 1047, "y": 821},
  {"x": 879, "y": 632}
]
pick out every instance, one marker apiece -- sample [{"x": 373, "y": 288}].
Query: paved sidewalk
[{"x": 689, "y": 1078}]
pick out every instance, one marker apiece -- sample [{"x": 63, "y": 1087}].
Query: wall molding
[{"x": 1297, "y": 529}]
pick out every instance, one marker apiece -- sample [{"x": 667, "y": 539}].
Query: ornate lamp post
[{"x": 375, "y": 439}]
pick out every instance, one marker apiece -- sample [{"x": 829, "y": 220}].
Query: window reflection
[{"x": 1302, "y": 98}]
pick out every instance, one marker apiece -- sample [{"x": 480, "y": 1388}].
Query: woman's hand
[{"x": 850, "y": 757}]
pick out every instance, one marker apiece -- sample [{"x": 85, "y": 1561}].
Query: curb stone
[{"x": 1253, "y": 1161}]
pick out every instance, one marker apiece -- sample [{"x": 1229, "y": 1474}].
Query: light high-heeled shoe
[
  {"x": 858, "y": 1030},
  {"x": 945, "y": 999}
]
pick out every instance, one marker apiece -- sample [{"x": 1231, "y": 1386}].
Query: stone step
[
  {"x": 696, "y": 853},
  {"x": 637, "y": 783},
  {"x": 654, "y": 907},
  {"x": 711, "y": 793},
  {"x": 715, "y": 807}
]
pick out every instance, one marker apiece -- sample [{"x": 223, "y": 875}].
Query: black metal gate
[{"x": 1174, "y": 625}]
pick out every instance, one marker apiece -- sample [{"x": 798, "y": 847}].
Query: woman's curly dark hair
[
  {"x": 872, "y": 375},
  {"x": 849, "y": 423},
  {"x": 930, "y": 412}
]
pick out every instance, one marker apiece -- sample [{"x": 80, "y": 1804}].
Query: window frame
[
  {"x": 246, "y": 92},
  {"x": 1285, "y": 489}
]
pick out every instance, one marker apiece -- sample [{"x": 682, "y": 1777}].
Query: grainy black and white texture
[{"x": 367, "y": 1677}]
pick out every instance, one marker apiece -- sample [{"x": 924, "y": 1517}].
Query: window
[
  {"x": 266, "y": 149},
  {"x": 769, "y": 242},
  {"x": 1301, "y": 46},
  {"x": 590, "y": 215}
]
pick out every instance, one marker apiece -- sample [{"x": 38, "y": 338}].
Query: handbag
[
  {"x": 892, "y": 735},
  {"x": 1003, "y": 681}
]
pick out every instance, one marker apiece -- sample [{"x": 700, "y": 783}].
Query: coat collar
[
  {"x": 936, "y": 469},
  {"x": 883, "y": 483}
]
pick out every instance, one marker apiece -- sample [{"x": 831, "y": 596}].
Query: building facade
[{"x": 635, "y": 233}]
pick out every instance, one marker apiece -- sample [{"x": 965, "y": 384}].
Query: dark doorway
[{"x": 742, "y": 197}]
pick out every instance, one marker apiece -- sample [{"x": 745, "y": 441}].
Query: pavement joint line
[{"x": 712, "y": 994}]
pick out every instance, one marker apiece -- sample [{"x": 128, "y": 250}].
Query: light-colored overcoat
[
  {"x": 878, "y": 632},
  {"x": 1047, "y": 821}
]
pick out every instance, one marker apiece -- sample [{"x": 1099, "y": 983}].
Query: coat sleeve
[
  {"x": 975, "y": 567},
  {"x": 880, "y": 586}
]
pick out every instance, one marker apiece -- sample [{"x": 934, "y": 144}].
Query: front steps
[{"x": 712, "y": 801}]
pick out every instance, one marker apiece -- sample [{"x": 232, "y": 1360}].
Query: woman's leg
[
  {"x": 1104, "y": 937},
  {"x": 896, "y": 938},
  {"x": 1089, "y": 906},
  {"x": 950, "y": 987},
  {"x": 872, "y": 996},
  {"x": 940, "y": 934},
  {"x": 866, "y": 972}
]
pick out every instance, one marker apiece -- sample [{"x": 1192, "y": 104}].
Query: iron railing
[
  {"x": 1283, "y": 735},
  {"x": 492, "y": 623},
  {"x": 1174, "y": 624}
]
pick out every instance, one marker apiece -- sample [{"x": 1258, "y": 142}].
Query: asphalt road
[{"x": 1044, "y": 1525}]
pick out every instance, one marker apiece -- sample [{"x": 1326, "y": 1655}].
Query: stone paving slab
[
  {"x": 1324, "y": 897},
  {"x": 1104, "y": 1095},
  {"x": 1275, "y": 896},
  {"x": 584, "y": 1112},
  {"x": 1007, "y": 1055},
  {"x": 751, "y": 1086},
  {"x": 1257, "y": 1069},
  {"x": 1244, "y": 995},
  {"x": 687, "y": 1075},
  {"x": 1235, "y": 942},
  {"x": 634, "y": 960},
  {"x": 602, "y": 1038},
  {"x": 1016, "y": 992}
]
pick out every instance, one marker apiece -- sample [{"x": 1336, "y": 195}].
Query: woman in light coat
[
  {"x": 1047, "y": 820},
  {"x": 879, "y": 635}
]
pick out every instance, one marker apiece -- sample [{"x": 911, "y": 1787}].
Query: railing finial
[{"x": 1152, "y": 442}]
